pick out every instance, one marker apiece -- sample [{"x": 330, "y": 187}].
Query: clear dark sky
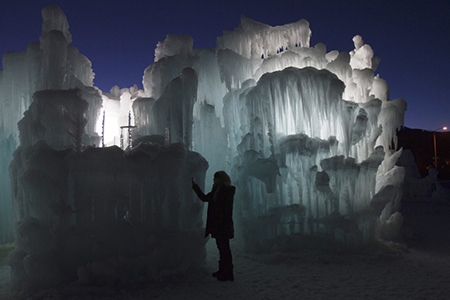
[{"x": 412, "y": 38}]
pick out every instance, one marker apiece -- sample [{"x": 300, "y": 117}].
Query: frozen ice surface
[{"x": 308, "y": 136}]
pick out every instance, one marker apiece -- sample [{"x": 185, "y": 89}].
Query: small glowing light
[{"x": 444, "y": 128}]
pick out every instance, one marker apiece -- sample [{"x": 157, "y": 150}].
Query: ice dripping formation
[{"x": 308, "y": 136}]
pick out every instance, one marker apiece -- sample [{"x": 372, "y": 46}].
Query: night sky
[{"x": 412, "y": 38}]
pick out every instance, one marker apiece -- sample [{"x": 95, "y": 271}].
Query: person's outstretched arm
[{"x": 199, "y": 192}]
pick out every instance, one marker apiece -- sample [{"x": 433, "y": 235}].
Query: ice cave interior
[{"x": 100, "y": 181}]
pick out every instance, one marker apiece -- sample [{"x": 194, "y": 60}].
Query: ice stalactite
[
  {"x": 50, "y": 63},
  {"x": 253, "y": 39},
  {"x": 289, "y": 110},
  {"x": 174, "y": 109},
  {"x": 308, "y": 136},
  {"x": 7, "y": 147}
]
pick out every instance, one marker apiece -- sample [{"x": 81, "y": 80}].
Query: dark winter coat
[{"x": 219, "y": 222}]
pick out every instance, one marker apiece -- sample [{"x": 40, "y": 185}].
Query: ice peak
[
  {"x": 174, "y": 45},
  {"x": 53, "y": 18},
  {"x": 252, "y": 39},
  {"x": 362, "y": 56},
  {"x": 249, "y": 25}
]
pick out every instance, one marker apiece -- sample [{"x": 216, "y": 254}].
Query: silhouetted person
[{"x": 219, "y": 222}]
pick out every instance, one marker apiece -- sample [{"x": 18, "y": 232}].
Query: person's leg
[
  {"x": 218, "y": 244},
  {"x": 223, "y": 244},
  {"x": 226, "y": 260}
]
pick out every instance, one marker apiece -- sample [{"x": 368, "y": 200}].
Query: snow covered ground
[{"x": 417, "y": 269}]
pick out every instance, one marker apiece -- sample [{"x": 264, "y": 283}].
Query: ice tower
[
  {"x": 49, "y": 64},
  {"x": 308, "y": 136}
]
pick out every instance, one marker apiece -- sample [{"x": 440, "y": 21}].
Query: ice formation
[{"x": 308, "y": 136}]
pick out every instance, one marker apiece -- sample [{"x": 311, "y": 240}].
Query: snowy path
[
  {"x": 314, "y": 275},
  {"x": 385, "y": 273}
]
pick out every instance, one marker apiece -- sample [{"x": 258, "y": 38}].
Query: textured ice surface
[
  {"x": 291, "y": 112},
  {"x": 308, "y": 136},
  {"x": 277, "y": 113}
]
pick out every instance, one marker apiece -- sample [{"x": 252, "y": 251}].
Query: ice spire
[{"x": 55, "y": 19}]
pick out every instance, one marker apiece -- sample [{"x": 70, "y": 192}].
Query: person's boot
[
  {"x": 221, "y": 267},
  {"x": 226, "y": 274}
]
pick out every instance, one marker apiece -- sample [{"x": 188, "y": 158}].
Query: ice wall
[
  {"x": 100, "y": 216},
  {"x": 7, "y": 147},
  {"x": 133, "y": 212},
  {"x": 172, "y": 113},
  {"x": 79, "y": 209},
  {"x": 308, "y": 136},
  {"x": 308, "y": 131}
]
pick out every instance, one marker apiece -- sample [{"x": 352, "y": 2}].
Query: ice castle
[{"x": 307, "y": 135}]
